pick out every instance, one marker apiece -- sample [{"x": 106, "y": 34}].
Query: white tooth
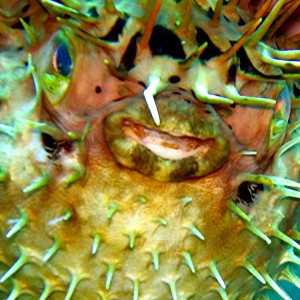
[{"x": 148, "y": 94}]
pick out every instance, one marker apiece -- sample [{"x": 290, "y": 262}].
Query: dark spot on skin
[
  {"x": 245, "y": 63},
  {"x": 93, "y": 12},
  {"x": 25, "y": 8},
  {"x": 98, "y": 89},
  {"x": 241, "y": 22},
  {"x": 247, "y": 193},
  {"x": 127, "y": 61},
  {"x": 113, "y": 35},
  {"x": 231, "y": 75},
  {"x": 211, "y": 50},
  {"x": 165, "y": 42},
  {"x": 207, "y": 111},
  {"x": 296, "y": 91},
  {"x": 174, "y": 79},
  {"x": 210, "y": 13}
]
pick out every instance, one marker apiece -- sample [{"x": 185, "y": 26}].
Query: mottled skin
[{"x": 91, "y": 227}]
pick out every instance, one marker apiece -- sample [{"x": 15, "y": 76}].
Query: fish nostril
[{"x": 98, "y": 89}]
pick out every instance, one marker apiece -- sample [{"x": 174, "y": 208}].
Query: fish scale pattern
[{"x": 126, "y": 130}]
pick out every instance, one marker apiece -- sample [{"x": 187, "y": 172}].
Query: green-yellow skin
[{"x": 106, "y": 218}]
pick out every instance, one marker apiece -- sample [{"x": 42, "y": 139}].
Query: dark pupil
[{"x": 64, "y": 61}]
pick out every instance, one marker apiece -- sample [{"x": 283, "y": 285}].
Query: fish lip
[
  {"x": 179, "y": 116},
  {"x": 167, "y": 145}
]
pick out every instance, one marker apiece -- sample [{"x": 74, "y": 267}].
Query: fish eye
[
  {"x": 247, "y": 194},
  {"x": 58, "y": 68},
  {"x": 62, "y": 61}
]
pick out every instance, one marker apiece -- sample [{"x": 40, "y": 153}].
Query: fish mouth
[
  {"x": 188, "y": 143},
  {"x": 172, "y": 146}
]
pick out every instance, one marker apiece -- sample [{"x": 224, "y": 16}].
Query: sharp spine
[
  {"x": 236, "y": 209},
  {"x": 67, "y": 10},
  {"x": 232, "y": 93},
  {"x": 21, "y": 261},
  {"x": 78, "y": 172},
  {"x": 46, "y": 291},
  {"x": 285, "y": 147},
  {"x": 52, "y": 250},
  {"x": 289, "y": 193},
  {"x": 68, "y": 214},
  {"x": 149, "y": 93},
  {"x": 229, "y": 53},
  {"x": 74, "y": 283},
  {"x": 260, "y": 32},
  {"x": 216, "y": 274},
  {"x": 282, "y": 236},
  {"x": 31, "y": 33},
  {"x": 32, "y": 72},
  {"x": 217, "y": 12},
  {"x": 254, "y": 272},
  {"x": 203, "y": 96},
  {"x": 195, "y": 231},
  {"x": 110, "y": 273},
  {"x": 38, "y": 183},
  {"x": 136, "y": 288},
  {"x": 96, "y": 241},
  {"x": 132, "y": 236},
  {"x": 113, "y": 208},
  {"x": 141, "y": 199},
  {"x": 173, "y": 288},
  {"x": 258, "y": 232},
  {"x": 275, "y": 286},
  {"x": 186, "y": 200},
  {"x": 150, "y": 17},
  {"x": 44, "y": 127},
  {"x": 161, "y": 220},
  {"x": 268, "y": 180},
  {"x": 249, "y": 152},
  {"x": 189, "y": 261},
  {"x": 19, "y": 225},
  {"x": 155, "y": 254},
  {"x": 15, "y": 293},
  {"x": 223, "y": 294},
  {"x": 290, "y": 257}
]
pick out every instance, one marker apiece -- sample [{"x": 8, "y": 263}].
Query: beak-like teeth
[{"x": 148, "y": 94}]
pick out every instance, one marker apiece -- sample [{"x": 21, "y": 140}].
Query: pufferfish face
[{"x": 138, "y": 170}]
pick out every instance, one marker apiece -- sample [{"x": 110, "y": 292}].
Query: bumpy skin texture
[{"x": 99, "y": 199}]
